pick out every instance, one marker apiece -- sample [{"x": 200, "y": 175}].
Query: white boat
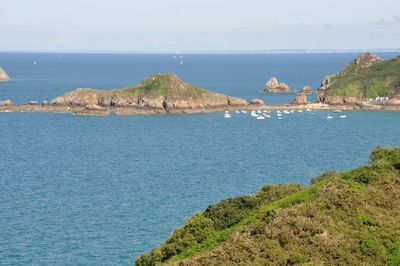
[
  {"x": 259, "y": 112},
  {"x": 279, "y": 114},
  {"x": 260, "y": 117},
  {"x": 237, "y": 112},
  {"x": 280, "y": 118},
  {"x": 343, "y": 116},
  {"x": 308, "y": 110},
  {"x": 227, "y": 116},
  {"x": 299, "y": 111},
  {"x": 226, "y": 112},
  {"x": 337, "y": 111}
]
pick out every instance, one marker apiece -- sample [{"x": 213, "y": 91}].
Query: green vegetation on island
[
  {"x": 348, "y": 218},
  {"x": 367, "y": 77}
]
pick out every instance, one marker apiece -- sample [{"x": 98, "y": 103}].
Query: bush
[
  {"x": 369, "y": 246},
  {"x": 270, "y": 193},
  {"x": 230, "y": 211},
  {"x": 197, "y": 229},
  {"x": 390, "y": 155},
  {"x": 323, "y": 176}
]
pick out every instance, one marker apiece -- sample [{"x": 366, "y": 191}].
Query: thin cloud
[
  {"x": 388, "y": 21},
  {"x": 68, "y": 37}
]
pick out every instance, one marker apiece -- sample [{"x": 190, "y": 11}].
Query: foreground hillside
[
  {"x": 367, "y": 77},
  {"x": 348, "y": 218}
]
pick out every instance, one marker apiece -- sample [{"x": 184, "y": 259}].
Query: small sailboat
[
  {"x": 181, "y": 63},
  {"x": 34, "y": 62}
]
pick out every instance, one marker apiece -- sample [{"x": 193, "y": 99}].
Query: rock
[
  {"x": 273, "y": 86},
  {"x": 306, "y": 90},
  {"x": 393, "y": 101},
  {"x": 33, "y": 103},
  {"x": 366, "y": 60},
  {"x": 257, "y": 102},
  {"x": 6, "y": 103},
  {"x": 3, "y": 75},
  {"x": 93, "y": 107},
  {"x": 301, "y": 99}
]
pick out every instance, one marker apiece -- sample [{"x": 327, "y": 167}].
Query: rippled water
[{"x": 100, "y": 190}]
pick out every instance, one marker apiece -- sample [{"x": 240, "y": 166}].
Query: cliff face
[
  {"x": 367, "y": 78},
  {"x": 3, "y": 75},
  {"x": 163, "y": 91},
  {"x": 273, "y": 86},
  {"x": 349, "y": 218}
]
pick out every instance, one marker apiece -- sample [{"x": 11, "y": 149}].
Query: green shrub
[
  {"x": 230, "y": 211},
  {"x": 369, "y": 246},
  {"x": 196, "y": 229},
  {"x": 365, "y": 219},
  {"x": 270, "y": 193},
  {"x": 390, "y": 155},
  {"x": 324, "y": 176}
]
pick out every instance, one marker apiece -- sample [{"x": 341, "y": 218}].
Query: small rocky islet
[{"x": 3, "y": 75}]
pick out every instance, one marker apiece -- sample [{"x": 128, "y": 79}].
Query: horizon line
[{"x": 266, "y": 51}]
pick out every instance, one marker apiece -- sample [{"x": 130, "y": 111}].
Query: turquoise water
[{"x": 78, "y": 190}]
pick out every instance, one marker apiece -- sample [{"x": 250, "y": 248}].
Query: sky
[{"x": 198, "y": 25}]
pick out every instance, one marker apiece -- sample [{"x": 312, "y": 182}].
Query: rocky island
[
  {"x": 347, "y": 218},
  {"x": 273, "y": 86},
  {"x": 367, "y": 83},
  {"x": 305, "y": 90},
  {"x": 3, "y": 75},
  {"x": 157, "y": 94}
]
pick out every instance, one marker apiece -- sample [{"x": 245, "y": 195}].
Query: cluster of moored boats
[{"x": 264, "y": 114}]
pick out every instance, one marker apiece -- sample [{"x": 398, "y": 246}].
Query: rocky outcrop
[
  {"x": 301, "y": 99},
  {"x": 3, "y": 75},
  {"x": 366, "y": 60},
  {"x": 306, "y": 90},
  {"x": 6, "y": 103},
  {"x": 257, "y": 102},
  {"x": 273, "y": 86}
]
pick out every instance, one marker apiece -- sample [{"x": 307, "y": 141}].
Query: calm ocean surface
[{"x": 78, "y": 190}]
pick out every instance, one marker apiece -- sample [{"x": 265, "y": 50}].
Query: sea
[{"x": 89, "y": 190}]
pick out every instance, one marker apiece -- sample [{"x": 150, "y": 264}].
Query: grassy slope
[
  {"x": 382, "y": 79},
  {"x": 342, "y": 218},
  {"x": 165, "y": 85}
]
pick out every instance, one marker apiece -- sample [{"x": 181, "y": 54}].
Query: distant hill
[
  {"x": 367, "y": 77},
  {"x": 349, "y": 218},
  {"x": 164, "y": 92}
]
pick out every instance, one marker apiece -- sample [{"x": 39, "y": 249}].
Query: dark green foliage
[
  {"x": 323, "y": 176},
  {"x": 369, "y": 246},
  {"x": 270, "y": 193},
  {"x": 365, "y": 219},
  {"x": 230, "y": 211},
  {"x": 196, "y": 229},
  {"x": 390, "y": 155}
]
